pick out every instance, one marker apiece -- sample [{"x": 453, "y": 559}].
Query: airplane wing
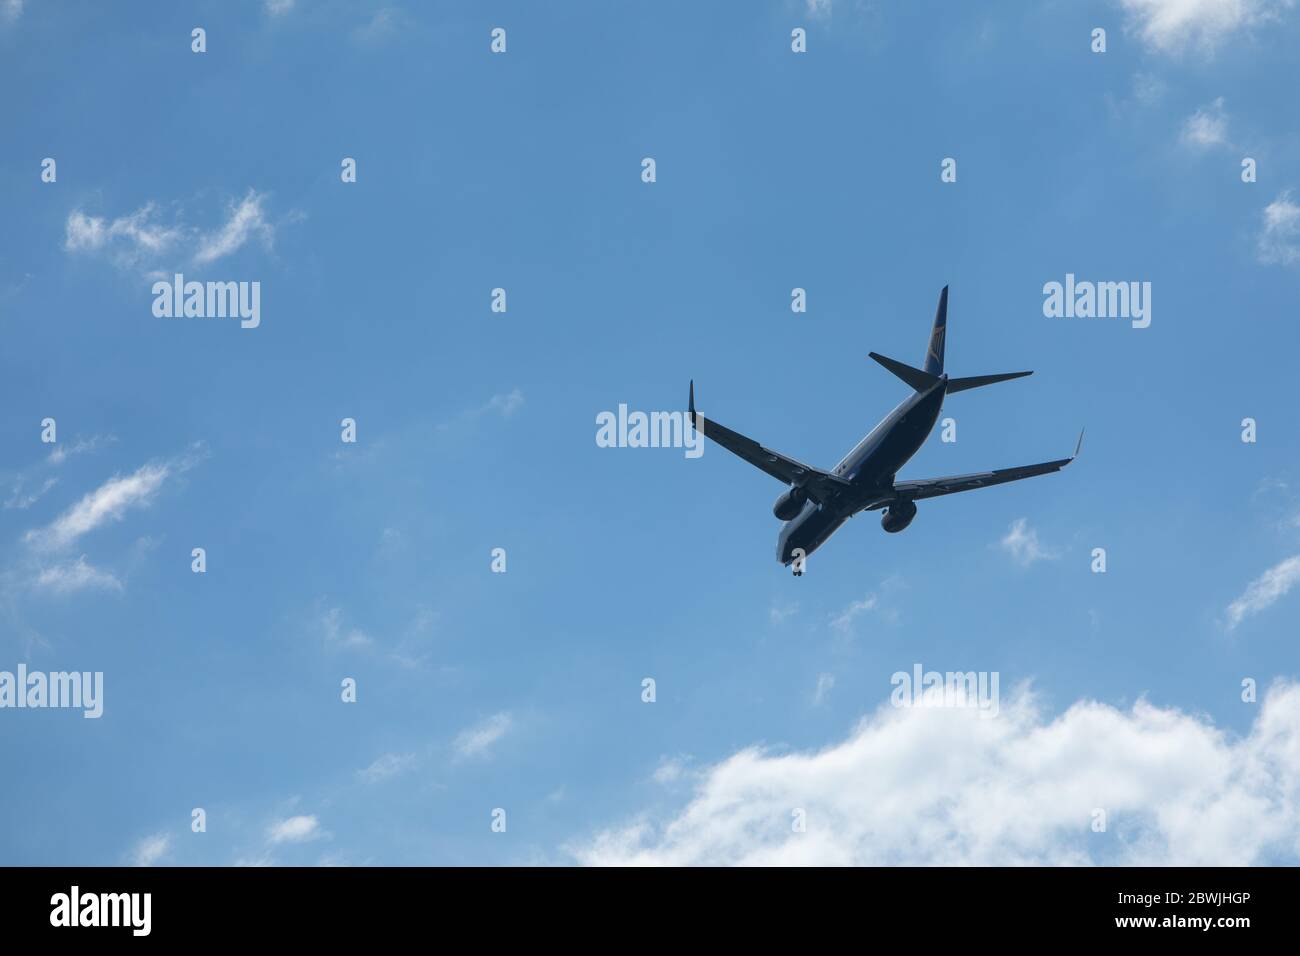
[
  {"x": 933, "y": 487},
  {"x": 822, "y": 486}
]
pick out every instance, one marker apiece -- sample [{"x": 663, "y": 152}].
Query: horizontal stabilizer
[
  {"x": 912, "y": 376},
  {"x": 975, "y": 381}
]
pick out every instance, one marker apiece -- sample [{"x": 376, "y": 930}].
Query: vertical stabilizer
[{"x": 934, "y": 352}]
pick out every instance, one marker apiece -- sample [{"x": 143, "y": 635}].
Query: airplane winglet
[
  {"x": 1078, "y": 445},
  {"x": 691, "y": 405}
]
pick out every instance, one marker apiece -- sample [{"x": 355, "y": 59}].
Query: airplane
[{"x": 820, "y": 502}]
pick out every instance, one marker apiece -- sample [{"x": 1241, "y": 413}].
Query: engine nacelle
[
  {"x": 790, "y": 504},
  {"x": 898, "y": 515}
]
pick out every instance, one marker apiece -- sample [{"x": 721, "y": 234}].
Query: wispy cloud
[
  {"x": 385, "y": 23},
  {"x": 142, "y": 240},
  {"x": 504, "y": 404},
  {"x": 10, "y": 10},
  {"x": 671, "y": 769},
  {"x": 151, "y": 849},
  {"x": 337, "y": 634},
  {"x": 106, "y": 503},
  {"x": 75, "y": 576},
  {"x": 297, "y": 829},
  {"x": 1176, "y": 26},
  {"x": 818, "y": 9},
  {"x": 825, "y": 682},
  {"x": 386, "y": 766},
  {"x": 245, "y": 221},
  {"x": 1278, "y": 242},
  {"x": 477, "y": 740},
  {"x": 779, "y": 614},
  {"x": 23, "y": 500},
  {"x": 62, "y": 452},
  {"x": 127, "y": 240},
  {"x": 1021, "y": 542},
  {"x": 277, "y": 8},
  {"x": 1207, "y": 127},
  {"x": 844, "y": 620},
  {"x": 1265, "y": 590},
  {"x": 110, "y": 501},
  {"x": 874, "y": 603}
]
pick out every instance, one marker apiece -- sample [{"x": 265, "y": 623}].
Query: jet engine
[
  {"x": 790, "y": 504},
  {"x": 898, "y": 515}
]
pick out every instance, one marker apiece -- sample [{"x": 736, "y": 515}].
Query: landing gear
[{"x": 798, "y": 573}]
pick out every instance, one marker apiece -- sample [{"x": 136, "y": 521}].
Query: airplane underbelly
[
  {"x": 807, "y": 532},
  {"x": 898, "y": 447}
]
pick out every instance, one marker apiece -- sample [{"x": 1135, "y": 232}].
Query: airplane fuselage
[{"x": 870, "y": 467}]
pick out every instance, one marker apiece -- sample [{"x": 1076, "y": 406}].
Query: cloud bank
[{"x": 930, "y": 785}]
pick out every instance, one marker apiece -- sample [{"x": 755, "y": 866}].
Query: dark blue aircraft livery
[{"x": 819, "y": 502}]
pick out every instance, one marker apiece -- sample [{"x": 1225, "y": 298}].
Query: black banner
[{"x": 335, "y": 905}]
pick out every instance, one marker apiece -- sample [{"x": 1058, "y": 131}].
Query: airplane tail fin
[
  {"x": 921, "y": 379},
  {"x": 934, "y": 351}
]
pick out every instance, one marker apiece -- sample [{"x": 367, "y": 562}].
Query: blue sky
[{"x": 476, "y": 430}]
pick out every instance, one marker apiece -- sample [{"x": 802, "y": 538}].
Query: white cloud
[
  {"x": 110, "y": 500},
  {"x": 385, "y": 766},
  {"x": 387, "y": 22},
  {"x": 141, "y": 241},
  {"x": 337, "y": 635},
  {"x": 818, "y": 9},
  {"x": 128, "y": 240},
  {"x": 942, "y": 786},
  {"x": 75, "y": 576},
  {"x": 1173, "y": 26},
  {"x": 506, "y": 404},
  {"x": 779, "y": 615},
  {"x": 151, "y": 849},
  {"x": 825, "y": 682},
  {"x": 844, "y": 620},
  {"x": 1265, "y": 590},
  {"x": 83, "y": 232},
  {"x": 246, "y": 220},
  {"x": 670, "y": 770},
  {"x": 277, "y": 8},
  {"x": 81, "y": 446},
  {"x": 24, "y": 501},
  {"x": 297, "y": 829},
  {"x": 1279, "y": 239},
  {"x": 477, "y": 739},
  {"x": 105, "y": 503},
  {"x": 10, "y": 10},
  {"x": 1021, "y": 542},
  {"x": 1207, "y": 127}
]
